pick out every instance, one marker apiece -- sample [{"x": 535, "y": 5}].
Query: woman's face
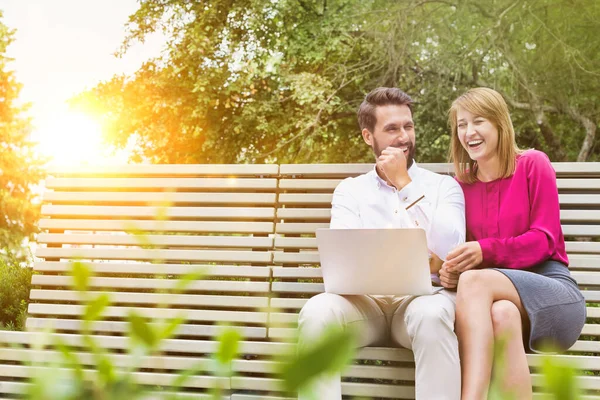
[{"x": 477, "y": 135}]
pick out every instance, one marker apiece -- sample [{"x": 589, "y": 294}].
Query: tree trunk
[
  {"x": 554, "y": 146},
  {"x": 590, "y": 134}
]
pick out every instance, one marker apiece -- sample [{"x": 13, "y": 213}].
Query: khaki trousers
[{"x": 424, "y": 324}]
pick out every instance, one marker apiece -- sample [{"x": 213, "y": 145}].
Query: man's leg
[
  {"x": 361, "y": 313},
  {"x": 425, "y": 324}
]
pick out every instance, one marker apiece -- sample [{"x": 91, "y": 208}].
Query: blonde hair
[{"x": 489, "y": 104}]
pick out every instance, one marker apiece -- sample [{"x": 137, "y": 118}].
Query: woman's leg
[
  {"x": 477, "y": 292},
  {"x": 513, "y": 375}
]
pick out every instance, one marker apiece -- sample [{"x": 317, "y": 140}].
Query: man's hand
[
  {"x": 449, "y": 279},
  {"x": 464, "y": 257},
  {"x": 435, "y": 264},
  {"x": 392, "y": 162}
]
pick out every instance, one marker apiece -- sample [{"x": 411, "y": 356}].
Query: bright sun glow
[{"x": 72, "y": 139}]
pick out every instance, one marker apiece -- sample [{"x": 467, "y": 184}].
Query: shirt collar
[{"x": 412, "y": 172}]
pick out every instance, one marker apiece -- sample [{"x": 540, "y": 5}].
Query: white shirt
[{"x": 431, "y": 201}]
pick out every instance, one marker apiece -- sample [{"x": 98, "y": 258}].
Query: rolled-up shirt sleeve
[{"x": 444, "y": 224}]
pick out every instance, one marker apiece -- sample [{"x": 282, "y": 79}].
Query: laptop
[{"x": 375, "y": 261}]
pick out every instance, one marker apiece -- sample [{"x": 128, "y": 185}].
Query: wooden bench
[
  {"x": 215, "y": 219},
  {"x": 251, "y": 228}
]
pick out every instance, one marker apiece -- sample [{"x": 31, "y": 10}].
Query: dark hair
[{"x": 382, "y": 96}]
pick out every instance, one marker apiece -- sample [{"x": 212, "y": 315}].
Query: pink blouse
[{"x": 516, "y": 220}]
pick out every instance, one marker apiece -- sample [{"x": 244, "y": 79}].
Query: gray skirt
[{"x": 554, "y": 304}]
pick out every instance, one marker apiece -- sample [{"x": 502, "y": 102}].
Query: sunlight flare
[{"x": 73, "y": 138}]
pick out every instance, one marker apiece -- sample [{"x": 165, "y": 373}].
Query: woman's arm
[
  {"x": 537, "y": 244},
  {"x": 540, "y": 241}
]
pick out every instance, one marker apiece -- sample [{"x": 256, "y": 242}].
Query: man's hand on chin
[{"x": 392, "y": 163}]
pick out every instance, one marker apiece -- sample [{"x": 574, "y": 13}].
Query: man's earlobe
[{"x": 367, "y": 136}]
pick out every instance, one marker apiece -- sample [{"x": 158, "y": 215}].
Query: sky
[{"x": 63, "y": 47}]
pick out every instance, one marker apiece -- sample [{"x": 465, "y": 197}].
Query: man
[{"x": 396, "y": 194}]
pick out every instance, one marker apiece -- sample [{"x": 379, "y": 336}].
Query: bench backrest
[
  {"x": 140, "y": 228},
  {"x": 251, "y": 229}
]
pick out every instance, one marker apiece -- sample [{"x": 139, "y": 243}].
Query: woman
[{"x": 512, "y": 275}]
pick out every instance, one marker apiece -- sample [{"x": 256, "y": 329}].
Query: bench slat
[
  {"x": 297, "y": 287},
  {"x": 158, "y": 198},
  {"x": 169, "y": 169},
  {"x": 579, "y": 199},
  {"x": 145, "y": 378},
  {"x": 582, "y": 247},
  {"x": 295, "y": 243},
  {"x": 122, "y": 327},
  {"x": 155, "y": 298},
  {"x": 158, "y": 269},
  {"x": 186, "y": 346},
  {"x": 304, "y": 257},
  {"x": 156, "y": 240},
  {"x": 309, "y": 184},
  {"x": 118, "y": 360},
  {"x": 300, "y": 228},
  {"x": 297, "y": 272},
  {"x": 21, "y": 388},
  {"x": 154, "y": 284},
  {"x": 155, "y": 313},
  {"x": 310, "y": 199},
  {"x": 155, "y": 254},
  {"x": 304, "y": 213},
  {"x": 159, "y": 212},
  {"x": 156, "y": 226},
  {"x": 285, "y": 302},
  {"x": 161, "y": 183}
]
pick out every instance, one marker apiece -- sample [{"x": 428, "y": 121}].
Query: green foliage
[
  {"x": 106, "y": 381},
  {"x": 262, "y": 81},
  {"x": 20, "y": 166},
  {"x": 67, "y": 378},
  {"x": 15, "y": 283},
  {"x": 560, "y": 381},
  {"x": 331, "y": 354}
]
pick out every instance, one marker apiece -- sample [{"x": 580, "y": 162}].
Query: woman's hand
[
  {"x": 449, "y": 279},
  {"x": 464, "y": 257}
]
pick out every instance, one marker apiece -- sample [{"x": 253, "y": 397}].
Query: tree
[
  {"x": 20, "y": 167},
  {"x": 263, "y": 81}
]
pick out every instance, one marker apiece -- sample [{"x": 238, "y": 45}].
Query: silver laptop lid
[{"x": 375, "y": 261}]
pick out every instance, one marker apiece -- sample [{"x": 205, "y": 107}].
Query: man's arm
[
  {"x": 344, "y": 208},
  {"x": 444, "y": 224}
]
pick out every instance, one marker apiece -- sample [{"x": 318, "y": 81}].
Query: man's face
[{"x": 394, "y": 128}]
